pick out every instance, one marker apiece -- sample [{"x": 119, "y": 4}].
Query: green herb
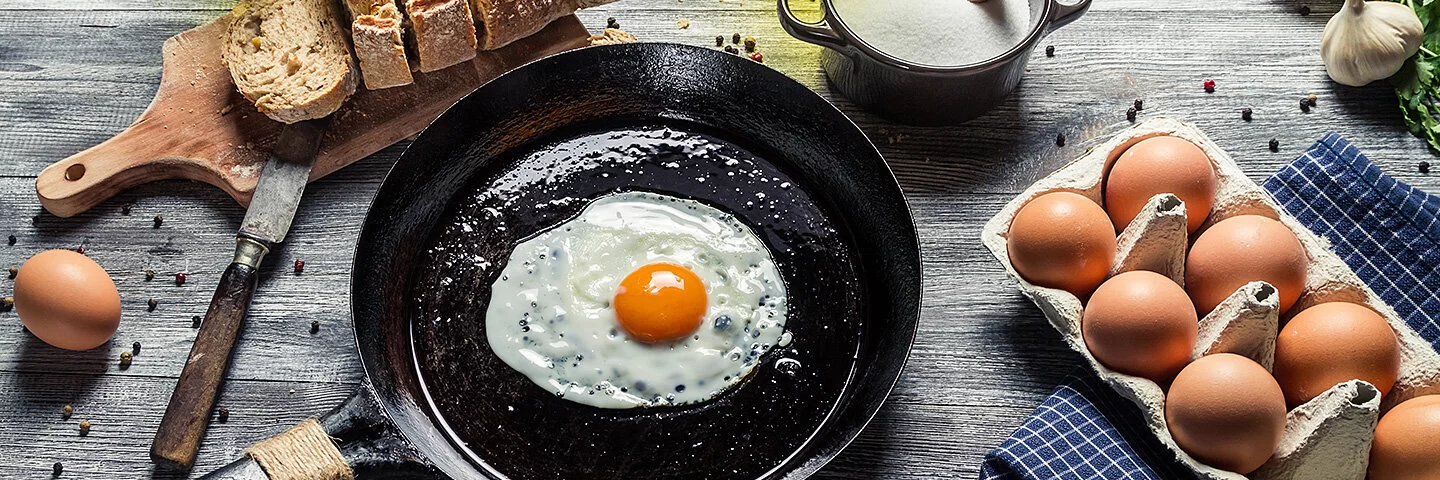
[{"x": 1416, "y": 84}]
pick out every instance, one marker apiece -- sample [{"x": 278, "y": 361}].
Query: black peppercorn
[
  {"x": 195, "y": 321},
  {"x": 12, "y": 239},
  {"x": 735, "y": 39},
  {"x": 1304, "y": 10},
  {"x": 731, "y": 49},
  {"x": 1049, "y": 50},
  {"x": 1274, "y": 145},
  {"x": 1246, "y": 114},
  {"x": 59, "y": 469},
  {"x": 719, "y": 40},
  {"x": 1139, "y": 104},
  {"x": 314, "y": 326},
  {"x": 14, "y": 271},
  {"x": 1060, "y": 140},
  {"x": 1130, "y": 114},
  {"x": 1424, "y": 167},
  {"x": 125, "y": 209},
  {"x": 153, "y": 303},
  {"x": 1304, "y": 105},
  {"x": 223, "y": 414},
  {"x": 135, "y": 348},
  {"x": 611, "y": 23},
  {"x": 159, "y": 220}
]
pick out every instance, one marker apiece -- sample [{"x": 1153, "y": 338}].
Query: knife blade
[{"x": 267, "y": 220}]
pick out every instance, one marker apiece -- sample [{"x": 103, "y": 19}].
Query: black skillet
[{"x": 438, "y": 403}]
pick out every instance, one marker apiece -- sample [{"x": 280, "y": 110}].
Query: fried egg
[{"x": 641, "y": 300}]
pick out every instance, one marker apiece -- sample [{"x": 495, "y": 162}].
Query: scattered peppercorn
[
  {"x": 1049, "y": 50},
  {"x": 1130, "y": 114},
  {"x": 314, "y": 326},
  {"x": 1304, "y": 10},
  {"x": 179, "y": 278},
  {"x": 1246, "y": 114},
  {"x": 125, "y": 359},
  {"x": 135, "y": 348},
  {"x": 735, "y": 38},
  {"x": 14, "y": 271},
  {"x": 1424, "y": 167},
  {"x": 1209, "y": 85},
  {"x": 1274, "y": 144},
  {"x": 66, "y": 411},
  {"x": 1312, "y": 99},
  {"x": 12, "y": 239},
  {"x": 7, "y": 304},
  {"x": 149, "y": 275},
  {"x": 750, "y": 44},
  {"x": 223, "y": 414},
  {"x": 159, "y": 220},
  {"x": 1139, "y": 104},
  {"x": 80, "y": 249},
  {"x": 731, "y": 49},
  {"x": 84, "y": 427},
  {"x": 59, "y": 468},
  {"x": 1060, "y": 140},
  {"x": 195, "y": 321},
  {"x": 757, "y": 56},
  {"x": 299, "y": 266},
  {"x": 125, "y": 209},
  {"x": 153, "y": 303},
  {"x": 719, "y": 40},
  {"x": 611, "y": 23},
  {"x": 1304, "y": 105}
]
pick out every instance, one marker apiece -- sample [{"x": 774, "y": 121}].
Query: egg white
[{"x": 550, "y": 317}]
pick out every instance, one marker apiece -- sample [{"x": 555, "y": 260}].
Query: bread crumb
[
  {"x": 613, "y": 36},
  {"x": 683, "y": 23}
]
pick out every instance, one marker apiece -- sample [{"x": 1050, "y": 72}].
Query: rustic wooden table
[{"x": 74, "y": 72}]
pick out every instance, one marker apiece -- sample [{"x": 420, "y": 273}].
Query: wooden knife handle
[{"x": 188, "y": 414}]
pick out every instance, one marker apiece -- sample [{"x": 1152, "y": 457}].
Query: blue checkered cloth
[{"x": 1385, "y": 230}]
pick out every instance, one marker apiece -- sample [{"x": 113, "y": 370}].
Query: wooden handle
[{"x": 188, "y": 414}]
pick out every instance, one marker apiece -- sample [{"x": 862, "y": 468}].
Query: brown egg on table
[
  {"x": 1240, "y": 250},
  {"x": 1157, "y": 165},
  {"x": 1062, "y": 240},
  {"x": 1407, "y": 441},
  {"x": 65, "y": 299},
  {"x": 1140, "y": 323},
  {"x": 1332, "y": 343},
  {"x": 1226, "y": 411}
]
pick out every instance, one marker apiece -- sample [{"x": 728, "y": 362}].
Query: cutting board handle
[{"x": 131, "y": 158}]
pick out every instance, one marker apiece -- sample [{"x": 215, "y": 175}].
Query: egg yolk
[{"x": 660, "y": 302}]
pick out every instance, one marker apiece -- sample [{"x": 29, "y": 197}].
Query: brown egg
[
  {"x": 1240, "y": 250},
  {"x": 1158, "y": 165},
  {"x": 67, "y": 300},
  {"x": 1226, "y": 411},
  {"x": 1332, "y": 343},
  {"x": 1140, "y": 323},
  {"x": 1062, "y": 240},
  {"x": 1406, "y": 441}
]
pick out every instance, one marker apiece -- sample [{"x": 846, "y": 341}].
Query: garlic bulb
[{"x": 1368, "y": 41}]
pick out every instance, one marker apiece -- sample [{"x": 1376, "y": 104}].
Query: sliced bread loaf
[
  {"x": 377, "y": 33},
  {"x": 290, "y": 58},
  {"x": 505, "y": 21},
  {"x": 444, "y": 32}
]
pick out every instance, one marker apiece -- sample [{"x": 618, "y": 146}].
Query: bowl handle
[
  {"x": 1062, "y": 14},
  {"x": 817, "y": 33}
]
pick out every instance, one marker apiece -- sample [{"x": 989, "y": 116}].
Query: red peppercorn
[
  {"x": 179, "y": 278},
  {"x": 1209, "y": 86},
  {"x": 80, "y": 249},
  {"x": 299, "y": 266},
  {"x": 757, "y": 57}
]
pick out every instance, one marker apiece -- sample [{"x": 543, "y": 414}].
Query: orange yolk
[{"x": 660, "y": 302}]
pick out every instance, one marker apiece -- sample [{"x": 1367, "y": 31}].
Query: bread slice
[
  {"x": 290, "y": 58},
  {"x": 444, "y": 32},
  {"x": 378, "y": 37},
  {"x": 505, "y": 21}
]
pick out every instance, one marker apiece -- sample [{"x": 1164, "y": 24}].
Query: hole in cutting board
[{"x": 75, "y": 172}]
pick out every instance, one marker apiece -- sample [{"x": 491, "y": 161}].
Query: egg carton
[{"x": 1326, "y": 438}]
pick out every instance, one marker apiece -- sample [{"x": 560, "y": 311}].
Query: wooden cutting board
[{"x": 198, "y": 126}]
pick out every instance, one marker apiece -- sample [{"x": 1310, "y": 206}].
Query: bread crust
[
  {"x": 378, "y": 38},
  {"x": 505, "y": 21},
  {"x": 290, "y": 58},
  {"x": 444, "y": 32}
]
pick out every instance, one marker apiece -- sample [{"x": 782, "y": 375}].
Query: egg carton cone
[{"x": 1326, "y": 438}]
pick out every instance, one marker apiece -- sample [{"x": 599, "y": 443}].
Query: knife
[{"x": 272, "y": 208}]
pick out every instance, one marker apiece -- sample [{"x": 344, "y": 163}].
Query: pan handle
[
  {"x": 1062, "y": 14},
  {"x": 817, "y": 33},
  {"x": 365, "y": 439}
]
